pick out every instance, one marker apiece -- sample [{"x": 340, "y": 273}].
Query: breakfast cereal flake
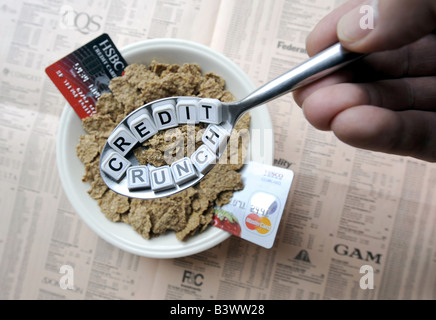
[{"x": 185, "y": 213}]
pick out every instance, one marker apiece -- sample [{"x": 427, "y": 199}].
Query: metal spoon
[{"x": 320, "y": 65}]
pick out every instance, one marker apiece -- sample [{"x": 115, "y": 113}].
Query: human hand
[{"x": 387, "y": 101}]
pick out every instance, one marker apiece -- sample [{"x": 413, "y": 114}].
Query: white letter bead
[
  {"x": 138, "y": 177},
  {"x": 122, "y": 140},
  {"x": 165, "y": 115},
  {"x": 203, "y": 159},
  {"x": 161, "y": 178},
  {"x": 215, "y": 137},
  {"x": 183, "y": 171},
  {"x": 115, "y": 165},
  {"x": 209, "y": 111},
  {"x": 142, "y": 126},
  {"x": 187, "y": 111}
]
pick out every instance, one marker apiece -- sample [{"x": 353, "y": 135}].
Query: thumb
[{"x": 386, "y": 24}]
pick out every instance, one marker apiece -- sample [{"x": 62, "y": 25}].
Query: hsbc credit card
[{"x": 84, "y": 75}]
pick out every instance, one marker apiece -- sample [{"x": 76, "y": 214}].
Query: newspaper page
[
  {"x": 357, "y": 224},
  {"x": 41, "y": 237}
]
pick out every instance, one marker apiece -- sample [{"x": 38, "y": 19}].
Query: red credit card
[{"x": 84, "y": 75}]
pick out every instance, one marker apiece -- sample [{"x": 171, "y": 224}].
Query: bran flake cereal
[{"x": 190, "y": 211}]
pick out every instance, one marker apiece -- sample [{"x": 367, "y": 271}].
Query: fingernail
[{"x": 357, "y": 24}]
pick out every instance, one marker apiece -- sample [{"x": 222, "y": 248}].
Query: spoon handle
[{"x": 320, "y": 65}]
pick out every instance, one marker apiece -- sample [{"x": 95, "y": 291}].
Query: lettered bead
[
  {"x": 164, "y": 115},
  {"x": 215, "y": 137},
  {"x": 161, "y": 178},
  {"x": 203, "y": 159},
  {"x": 187, "y": 111},
  {"x": 183, "y": 171},
  {"x": 115, "y": 165},
  {"x": 138, "y": 177},
  {"x": 142, "y": 126},
  {"x": 209, "y": 111},
  {"x": 122, "y": 140}
]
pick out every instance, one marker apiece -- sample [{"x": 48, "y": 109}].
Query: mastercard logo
[{"x": 259, "y": 224}]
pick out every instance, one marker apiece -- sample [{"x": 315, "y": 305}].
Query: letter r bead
[
  {"x": 138, "y": 177},
  {"x": 122, "y": 140}
]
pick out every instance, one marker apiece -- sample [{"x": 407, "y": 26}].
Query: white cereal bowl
[{"x": 71, "y": 169}]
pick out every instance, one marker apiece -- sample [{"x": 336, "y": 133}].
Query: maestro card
[{"x": 254, "y": 213}]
